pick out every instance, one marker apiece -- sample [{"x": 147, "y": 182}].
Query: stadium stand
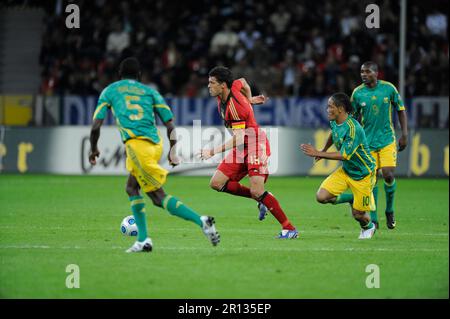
[{"x": 283, "y": 48}]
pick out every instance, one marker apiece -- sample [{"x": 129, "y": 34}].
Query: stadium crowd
[{"x": 304, "y": 48}]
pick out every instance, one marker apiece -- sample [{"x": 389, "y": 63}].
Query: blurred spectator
[
  {"x": 117, "y": 40},
  {"x": 260, "y": 54},
  {"x": 244, "y": 70},
  {"x": 437, "y": 23},
  {"x": 284, "y": 47},
  {"x": 249, "y": 35},
  {"x": 224, "y": 41},
  {"x": 349, "y": 23},
  {"x": 280, "y": 19},
  {"x": 290, "y": 76}
]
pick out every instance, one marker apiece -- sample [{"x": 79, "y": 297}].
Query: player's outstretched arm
[
  {"x": 311, "y": 151},
  {"x": 95, "y": 135},
  {"x": 237, "y": 140},
  {"x": 403, "y": 141},
  {"x": 171, "y": 135},
  {"x": 325, "y": 148}
]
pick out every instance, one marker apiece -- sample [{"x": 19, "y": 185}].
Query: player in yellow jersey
[
  {"x": 358, "y": 166},
  {"x": 374, "y": 102},
  {"x": 134, "y": 106}
]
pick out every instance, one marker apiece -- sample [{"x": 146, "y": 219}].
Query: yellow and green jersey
[
  {"x": 350, "y": 139},
  {"x": 134, "y": 106},
  {"x": 375, "y": 106}
]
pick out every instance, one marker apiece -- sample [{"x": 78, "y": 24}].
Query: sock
[
  {"x": 138, "y": 209},
  {"x": 365, "y": 225},
  {"x": 373, "y": 213},
  {"x": 344, "y": 198},
  {"x": 237, "y": 189},
  {"x": 272, "y": 204},
  {"x": 390, "y": 191},
  {"x": 177, "y": 208}
]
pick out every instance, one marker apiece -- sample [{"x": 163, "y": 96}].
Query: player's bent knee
[
  {"x": 157, "y": 202},
  {"x": 357, "y": 214},
  {"x": 389, "y": 177},
  {"x": 132, "y": 191},
  {"x": 156, "y": 198},
  {"x": 216, "y": 185},
  {"x": 256, "y": 193},
  {"x": 321, "y": 198}
]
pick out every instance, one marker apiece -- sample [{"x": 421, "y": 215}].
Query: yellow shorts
[
  {"x": 142, "y": 162},
  {"x": 386, "y": 157},
  {"x": 338, "y": 182}
]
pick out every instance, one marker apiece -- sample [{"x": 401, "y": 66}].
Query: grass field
[{"x": 48, "y": 222}]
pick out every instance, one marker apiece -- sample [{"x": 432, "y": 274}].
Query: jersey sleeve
[
  {"x": 102, "y": 106},
  {"x": 161, "y": 108},
  {"x": 350, "y": 143},
  {"x": 236, "y": 86},
  {"x": 397, "y": 100},
  {"x": 354, "y": 101}
]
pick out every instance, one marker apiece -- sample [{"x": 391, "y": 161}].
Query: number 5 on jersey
[{"x": 134, "y": 106}]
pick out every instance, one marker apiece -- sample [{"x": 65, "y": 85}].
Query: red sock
[
  {"x": 272, "y": 204},
  {"x": 237, "y": 189}
]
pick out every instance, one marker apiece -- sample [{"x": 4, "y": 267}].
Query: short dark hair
[
  {"x": 371, "y": 65},
  {"x": 222, "y": 74},
  {"x": 342, "y": 99},
  {"x": 130, "y": 68}
]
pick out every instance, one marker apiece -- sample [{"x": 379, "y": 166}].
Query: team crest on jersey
[
  {"x": 375, "y": 109},
  {"x": 374, "y": 97},
  {"x": 363, "y": 104},
  {"x": 386, "y": 99}
]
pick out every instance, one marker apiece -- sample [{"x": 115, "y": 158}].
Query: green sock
[
  {"x": 373, "y": 213},
  {"x": 344, "y": 198},
  {"x": 138, "y": 209},
  {"x": 177, "y": 208},
  {"x": 365, "y": 225},
  {"x": 390, "y": 191}
]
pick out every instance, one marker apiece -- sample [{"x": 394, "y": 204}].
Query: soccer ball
[{"x": 128, "y": 226}]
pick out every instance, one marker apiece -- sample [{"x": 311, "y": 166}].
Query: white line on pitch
[{"x": 276, "y": 249}]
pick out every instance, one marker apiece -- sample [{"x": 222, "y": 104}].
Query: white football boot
[
  {"x": 210, "y": 230},
  {"x": 368, "y": 233},
  {"x": 144, "y": 246}
]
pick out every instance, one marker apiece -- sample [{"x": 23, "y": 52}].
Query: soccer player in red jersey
[{"x": 250, "y": 149}]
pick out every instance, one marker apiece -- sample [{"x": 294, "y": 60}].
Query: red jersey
[{"x": 237, "y": 113}]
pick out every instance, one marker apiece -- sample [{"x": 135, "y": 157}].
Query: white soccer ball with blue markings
[{"x": 128, "y": 226}]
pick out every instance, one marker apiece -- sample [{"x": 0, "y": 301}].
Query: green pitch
[{"x": 49, "y": 222}]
